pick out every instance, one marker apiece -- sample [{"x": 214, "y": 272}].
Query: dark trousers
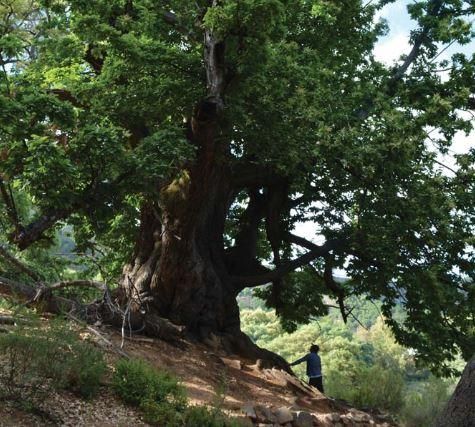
[{"x": 317, "y": 382}]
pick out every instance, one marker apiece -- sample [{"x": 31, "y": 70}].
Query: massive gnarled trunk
[{"x": 178, "y": 267}]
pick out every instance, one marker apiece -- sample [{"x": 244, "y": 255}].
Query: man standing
[{"x": 314, "y": 367}]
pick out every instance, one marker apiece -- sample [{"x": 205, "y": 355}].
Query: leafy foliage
[{"x": 96, "y": 105}]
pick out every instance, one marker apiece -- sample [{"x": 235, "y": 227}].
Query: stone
[
  {"x": 325, "y": 421},
  {"x": 249, "y": 411},
  {"x": 359, "y": 417},
  {"x": 232, "y": 363},
  {"x": 283, "y": 415},
  {"x": 303, "y": 419},
  {"x": 264, "y": 414},
  {"x": 347, "y": 421}
]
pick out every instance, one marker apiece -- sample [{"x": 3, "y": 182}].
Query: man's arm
[{"x": 302, "y": 359}]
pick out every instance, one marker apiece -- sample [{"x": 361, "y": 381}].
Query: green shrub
[
  {"x": 77, "y": 365},
  {"x": 84, "y": 369},
  {"x": 36, "y": 360},
  {"x": 210, "y": 417},
  {"x": 161, "y": 398},
  {"x": 135, "y": 381},
  {"x": 423, "y": 405},
  {"x": 162, "y": 413},
  {"x": 24, "y": 367},
  {"x": 204, "y": 417},
  {"x": 157, "y": 393},
  {"x": 380, "y": 388}
]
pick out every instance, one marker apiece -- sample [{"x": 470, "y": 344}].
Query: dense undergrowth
[{"x": 38, "y": 357}]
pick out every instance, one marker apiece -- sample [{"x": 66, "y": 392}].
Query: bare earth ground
[{"x": 210, "y": 378}]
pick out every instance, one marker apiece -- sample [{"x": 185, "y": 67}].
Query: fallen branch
[
  {"x": 104, "y": 310},
  {"x": 141, "y": 339},
  {"x": 79, "y": 283},
  {"x": 16, "y": 290},
  {"x": 45, "y": 293},
  {"x": 20, "y": 292},
  {"x": 7, "y": 320},
  {"x": 109, "y": 343},
  {"x": 18, "y": 264},
  {"x": 74, "y": 284}
]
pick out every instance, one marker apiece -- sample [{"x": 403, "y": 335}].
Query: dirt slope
[{"x": 211, "y": 377}]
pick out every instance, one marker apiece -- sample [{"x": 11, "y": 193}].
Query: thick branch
[
  {"x": 46, "y": 291},
  {"x": 293, "y": 238},
  {"x": 277, "y": 196},
  {"x": 246, "y": 239},
  {"x": 152, "y": 324},
  {"x": 21, "y": 292},
  {"x": 398, "y": 73},
  {"x": 433, "y": 11},
  {"x": 34, "y": 231},
  {"x": 17, "y": 290},
  {"x": 94, "y": 61},
  {"x": 250, "y": 174},
  {"x": 330, "y": 283},
  {"x": 79, "y": 284},
  {"x": 28, "y": 235},
  {"x": 214, "y": 50},
  {"x": 172, "y": 19},
  {"x": 335, "y": 287},
  {"x": 65, "y": 95},
  {"x": 7, "y": 320},
  {"x": 278, "y": 273}
]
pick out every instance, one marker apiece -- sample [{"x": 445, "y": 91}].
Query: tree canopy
[{"x": 113, "y": 112}]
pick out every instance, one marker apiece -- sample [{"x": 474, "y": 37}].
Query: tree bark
[
  {"x": 178, "y": 266},
  {"x": 178, "y": 269},
  {"x": 460, "y": 410}
]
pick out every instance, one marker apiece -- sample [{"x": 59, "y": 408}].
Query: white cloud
[
  {"x": 390, "y": 49},
  {"x": 391, "y": 10}
]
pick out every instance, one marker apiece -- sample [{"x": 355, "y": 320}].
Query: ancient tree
[{"x": 188, "y": 138}]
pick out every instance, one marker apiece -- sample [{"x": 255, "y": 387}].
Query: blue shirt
[{"x": 314, "y": 364}]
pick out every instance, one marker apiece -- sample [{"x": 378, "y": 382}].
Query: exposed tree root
[{"x": 107, "y": 311}]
